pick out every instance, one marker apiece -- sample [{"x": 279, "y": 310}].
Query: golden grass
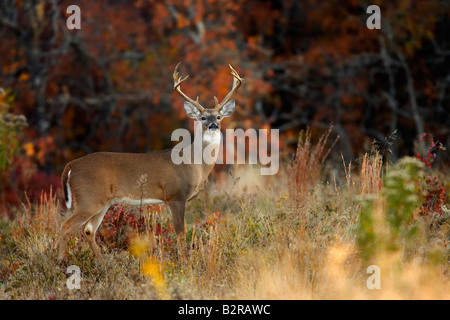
[{"x": 261, "y": 246}]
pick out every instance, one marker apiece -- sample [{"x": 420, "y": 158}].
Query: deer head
[{"x": 210, "y": 118}]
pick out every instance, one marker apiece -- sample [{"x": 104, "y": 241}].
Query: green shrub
[
  {"x": 386, "y": 218},
  {"x": 11, "y": 126}
]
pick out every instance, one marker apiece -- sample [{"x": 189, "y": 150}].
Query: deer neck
[{"x": 210, "y": 151}]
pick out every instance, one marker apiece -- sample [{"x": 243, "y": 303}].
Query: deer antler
[
  {"x": 237, "y": 81},
  {"x": 176, "y": 86}
]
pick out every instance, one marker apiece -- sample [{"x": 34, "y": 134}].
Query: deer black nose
[{"x": 213, "y": 126}]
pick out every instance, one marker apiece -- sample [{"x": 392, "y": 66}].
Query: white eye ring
[{"x": 203, "y": 118}]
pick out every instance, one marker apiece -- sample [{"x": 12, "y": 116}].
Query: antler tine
[
  {"x": 237, "y": 81},
  {"x": 176, "y": 86}
]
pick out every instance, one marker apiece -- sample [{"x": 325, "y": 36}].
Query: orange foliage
[{"x": 108, "y": 86}]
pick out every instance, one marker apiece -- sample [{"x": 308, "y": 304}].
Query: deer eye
[
  {"x": 203, "y": 118},
  {"x": 218, "y": 117}
]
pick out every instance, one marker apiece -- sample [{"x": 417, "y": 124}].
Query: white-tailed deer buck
[{"x": 94, "y": 182}]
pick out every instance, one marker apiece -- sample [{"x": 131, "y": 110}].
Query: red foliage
[
  {"x": 434, "y": 198},
  {"x": 120, "y": 224},
  {"x": 116, "y": 226},
  {"x": 432, "y": 150},
  {"x": 9, "y": 269},
  {"x": 435, "y": 194},
  {"x": 24, "y": 183},
  {"x": 107, "y": 87}
]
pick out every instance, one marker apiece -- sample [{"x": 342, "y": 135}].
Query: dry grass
[
  {"x": 305, "y": 169},
  {"x": 262, "y": 245},
  {"x": 371, "y": 173}
]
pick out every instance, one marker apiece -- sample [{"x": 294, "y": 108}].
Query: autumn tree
[{"x": 305, "y": 63}]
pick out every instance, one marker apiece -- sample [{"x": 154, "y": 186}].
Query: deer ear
[
  {"x": 191, "y": 110},
  {"x": 227, "y": 109}
]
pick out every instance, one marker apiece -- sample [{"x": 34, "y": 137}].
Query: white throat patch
[{"x": 212, "y": 136}]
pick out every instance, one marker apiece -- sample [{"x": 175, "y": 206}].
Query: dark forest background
[{"x": 108, "y": 86}]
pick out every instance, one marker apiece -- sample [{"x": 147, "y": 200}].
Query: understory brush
[{"x": 262, "y": 237}]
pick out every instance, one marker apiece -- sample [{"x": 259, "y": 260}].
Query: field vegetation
[{"x": 309, "y": 232}]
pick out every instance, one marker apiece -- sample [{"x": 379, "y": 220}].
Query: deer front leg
[{"x": 177, "y": 209}]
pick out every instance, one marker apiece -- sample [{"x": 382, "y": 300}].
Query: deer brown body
[{"x": 94, "y": 182}]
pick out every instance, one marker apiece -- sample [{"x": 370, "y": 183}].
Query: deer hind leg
[
  {"x": 177, "y": 210},
  {"x": 69, "y": 226},
  {"x": 91, "y": 228}
]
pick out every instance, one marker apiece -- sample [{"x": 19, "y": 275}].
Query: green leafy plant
[
  {"x": 11, "y": 127},
  {"x": 387, "y": 217}
]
